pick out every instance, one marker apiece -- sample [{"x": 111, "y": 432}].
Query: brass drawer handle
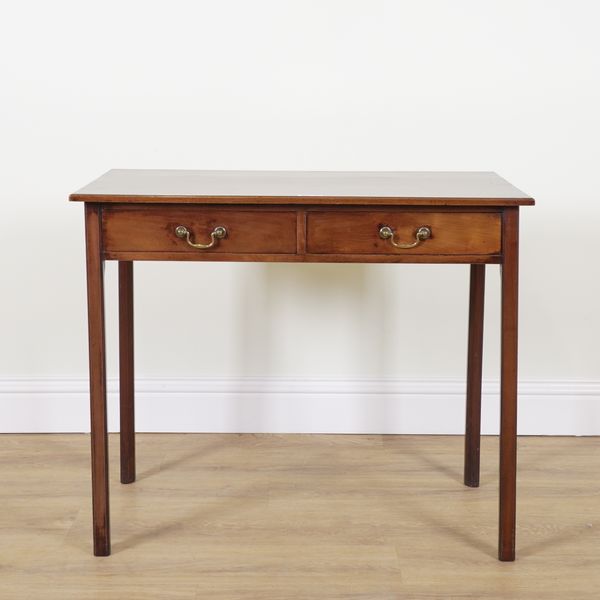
[
  {"x": 422, "y": 234},
  {"x": 218, "y": 233}
]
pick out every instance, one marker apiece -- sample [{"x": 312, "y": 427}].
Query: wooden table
[{"x": 392, "y": 217}]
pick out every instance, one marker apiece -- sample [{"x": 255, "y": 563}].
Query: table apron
[
  {"x": 467, "y": 259},
  {"x": 253, "y": 233}
]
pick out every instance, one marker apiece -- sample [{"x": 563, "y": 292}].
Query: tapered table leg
[
  {"x": 508, "y": 385},
  {"x": 95, "y": 293},
  {"x": 126, "y": 372},
  {"x": 474, "y": 367}
]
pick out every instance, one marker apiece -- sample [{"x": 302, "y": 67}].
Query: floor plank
[{"x": 298, "y": 516}]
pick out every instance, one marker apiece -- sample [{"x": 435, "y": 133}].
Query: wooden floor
[{"x": 298, "y": 516}]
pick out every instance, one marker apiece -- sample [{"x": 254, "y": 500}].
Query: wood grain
[
  {"x": 474, "y": 371},
  {"x": 303, "y": 187},
  {"x": 301, "y": 231},
  {"x": 508, "y": 385},
  {"x": 298, "y": 516},
  {"x": 152, "y": 229},
  {"x": 311, "y": 258},
  {"x": 126, "y": 373},
  {"x": 97, "y": 359},
  {"x": 357, "y": 232}
]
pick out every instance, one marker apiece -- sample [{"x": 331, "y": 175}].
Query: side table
[{"x": 355, "y": 217}]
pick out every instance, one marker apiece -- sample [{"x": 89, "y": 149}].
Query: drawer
[
  {"x": 154, "y": 229},
  {"x": 358, "y": 232}
]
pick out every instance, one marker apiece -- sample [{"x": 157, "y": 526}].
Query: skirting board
[{"x": 285, "y": 405}]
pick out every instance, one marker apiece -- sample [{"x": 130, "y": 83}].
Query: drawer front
[
  {"x": 154, "y": 229},
  {"x": 348, "y": 232}
]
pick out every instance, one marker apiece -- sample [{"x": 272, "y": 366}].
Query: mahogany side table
[{"x": 355, "y": 217}]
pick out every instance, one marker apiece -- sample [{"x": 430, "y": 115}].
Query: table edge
[{"x": 306, "y": 200}]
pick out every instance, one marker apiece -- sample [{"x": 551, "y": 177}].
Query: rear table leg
[
  {"x": 126, "y": 372},
  {"x": 474, "y": 368}
]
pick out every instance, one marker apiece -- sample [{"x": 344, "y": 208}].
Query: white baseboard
[{"x": 299, "y": 406}]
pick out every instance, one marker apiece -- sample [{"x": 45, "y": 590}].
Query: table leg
[
  {"x": 95, "y": 293},
  {"x": 126, "y": 372},
  {"x": 474, "y": 366},
  {"x": 508, "y": 385}
]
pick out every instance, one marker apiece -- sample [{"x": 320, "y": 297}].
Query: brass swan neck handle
[
  {"x": 218, "y": 233},
  {"x": 387, "y": 233}
]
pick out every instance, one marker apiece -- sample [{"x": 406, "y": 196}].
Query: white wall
[{"x": 511, "y": 86}]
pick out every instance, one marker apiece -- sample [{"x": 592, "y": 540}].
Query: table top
[{"x": 441, "y": 188}]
